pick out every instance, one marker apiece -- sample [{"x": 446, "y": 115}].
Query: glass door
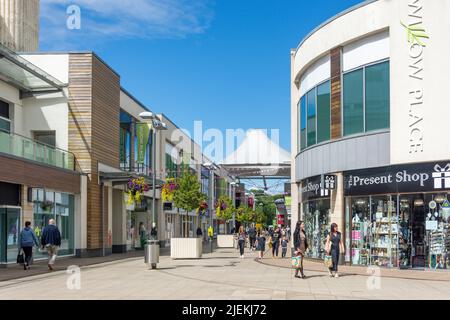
[{"x": 9, "y": 233}]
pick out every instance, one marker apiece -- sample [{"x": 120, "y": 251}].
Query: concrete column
[
  {"x": 338, "y": 209},
  {"x": 19, "y": 25},
  {"x": 81, "y": 201}
]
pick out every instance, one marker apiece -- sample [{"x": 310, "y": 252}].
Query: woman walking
[
  {"x": 301, "y": 246},
  {"x": 27, "y": 240},
  {"x": 276, "y": 239},
  {"x": 242, "y": 237},
  {"x": 334, "y": 247},
  {"x": 261, "y": 244}
]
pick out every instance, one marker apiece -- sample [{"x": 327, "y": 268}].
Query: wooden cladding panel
[
  {"x": 106, "y": 114},
  {"x": 80, "y": 109},
  {"x": 39, "y": 176},
  {"x": 336, "y": 93}
]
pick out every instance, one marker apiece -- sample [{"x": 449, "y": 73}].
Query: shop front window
[
  {"x": 360, "y": 237},
  {"x": 385, "y": 229},
  {"x": 58, "y": 206},
  {"x": 317, "y": 224}
]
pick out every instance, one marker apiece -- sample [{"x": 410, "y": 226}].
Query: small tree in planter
[
  {"x": 224, "y": 209},
  {"x": 188, "y": 196}
]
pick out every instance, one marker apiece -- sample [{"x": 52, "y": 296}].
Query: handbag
[
  {"x": 328, "y": 261},
  {"x": 20, "y": 258}
]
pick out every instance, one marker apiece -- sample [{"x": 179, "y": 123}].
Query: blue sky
[{"x": 225, "y": 62}]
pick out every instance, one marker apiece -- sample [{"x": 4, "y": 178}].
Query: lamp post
[
  {"x": 233, "y": 197},
  {"x": 157, "y": 125}
]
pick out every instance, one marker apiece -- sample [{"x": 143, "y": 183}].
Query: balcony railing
[
  {"x": 22, "y": 147},
  {"x": 140, "y": 169}
]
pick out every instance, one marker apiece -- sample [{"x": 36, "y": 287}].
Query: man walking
[
  {"x": 252, "y": 237},
  {"x": 51, "y": 240}
]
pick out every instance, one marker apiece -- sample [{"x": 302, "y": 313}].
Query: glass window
[
  {"x": 377, "y": 97},
  {"x": 323, "y": 112},
  {"x": 46, "y": 137},
  {"x": 353, "y": 103},
  {"x": 317, "y": 226},
  {"x": 4, "y": 110},
  {"x": 360, "y": 254},
  {"x": 303, "y": 122},
  {"x": 5, "y": 125},
  {"x": 311, "y": 123}
]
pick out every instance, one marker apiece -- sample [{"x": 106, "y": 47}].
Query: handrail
[{"x": 15, "y": 144}]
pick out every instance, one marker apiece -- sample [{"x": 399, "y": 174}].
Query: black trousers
[
  {"x": 28, "y": 251},
  {"x": 335, "y": 257},
  {"x": 241, "y": 246},
  {"x": 252, "y": 242}
]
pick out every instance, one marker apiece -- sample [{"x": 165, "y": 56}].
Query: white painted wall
[
  {"x": 56, "y": 65},
  {"x": 317, "y": 73},
  {"x": 48, "y": 112},
  {"x": 365, "y": 51}
]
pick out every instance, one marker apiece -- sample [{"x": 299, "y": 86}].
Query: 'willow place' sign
[{"x": 424, "y": 177}]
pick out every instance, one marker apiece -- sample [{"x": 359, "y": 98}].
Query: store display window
[
  {"x": 360, "y": 235},
  {"x": 317, "y": 224}
]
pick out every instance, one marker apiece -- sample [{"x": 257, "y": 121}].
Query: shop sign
[
  {"x": 329, "y": 182},
  {"x": 312, "y": 189},
  {"x": 424, "y": 177}
]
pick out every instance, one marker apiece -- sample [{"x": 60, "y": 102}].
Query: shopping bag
[
  {"x": 328, "y": 261},
  {"x": 296, "y": 262},
  {"x": 20, "y": 258}
]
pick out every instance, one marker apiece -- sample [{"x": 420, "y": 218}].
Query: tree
[{"x": 188, "y": 195}]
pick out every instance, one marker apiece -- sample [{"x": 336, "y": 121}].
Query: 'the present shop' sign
[{"x": 423, "y": 177}]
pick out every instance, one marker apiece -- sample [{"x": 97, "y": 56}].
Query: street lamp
[
  {"x": 233, "y": 187},
  {"x": 157, "y": 125}
]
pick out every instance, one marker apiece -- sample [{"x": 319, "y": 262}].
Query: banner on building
[{"x": 143, "y": 136}]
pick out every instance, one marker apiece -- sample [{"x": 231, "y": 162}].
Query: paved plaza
[{"x": 218, "y": 276}]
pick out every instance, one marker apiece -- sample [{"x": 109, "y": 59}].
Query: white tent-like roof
[{"x": 258, "y": 156}]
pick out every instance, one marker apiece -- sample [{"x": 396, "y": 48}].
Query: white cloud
[{"x": 106, "y": 19}]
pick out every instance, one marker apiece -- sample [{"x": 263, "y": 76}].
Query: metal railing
[
  {"x": 140, "y": 169},
  {"x": 26, "y": 148}
]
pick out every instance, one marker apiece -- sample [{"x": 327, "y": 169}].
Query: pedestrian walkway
[
  {"x": 318, "y": 266},
  {"x": 40, "y": 267},
  {"x": 218, "y": 276},
  {"x": 15, "y": 271}
]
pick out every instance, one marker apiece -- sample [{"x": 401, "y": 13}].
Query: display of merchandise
[
  {"x": 385, "y": 231},
  {"x": 437, "y": 242}
]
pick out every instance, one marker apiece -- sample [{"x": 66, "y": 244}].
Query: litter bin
[{"x": 152, "y": 253}]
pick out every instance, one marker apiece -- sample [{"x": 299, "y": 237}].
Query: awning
[
  {"x": 122, "y": 178},
  {"x": 24, "y": 75}
]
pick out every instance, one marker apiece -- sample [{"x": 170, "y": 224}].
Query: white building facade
[{"x": 369, "y": 109}]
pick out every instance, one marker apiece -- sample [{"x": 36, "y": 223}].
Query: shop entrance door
[
  {"x": 418, "y": 233},
  {"x": 9, "y": 233},
  {"x": 412, "y": 239}
]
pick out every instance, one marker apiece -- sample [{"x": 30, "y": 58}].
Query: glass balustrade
[{"x": 29, "y": 149}]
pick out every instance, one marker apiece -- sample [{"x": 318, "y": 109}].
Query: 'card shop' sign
[{"x": 424, "y": 177}]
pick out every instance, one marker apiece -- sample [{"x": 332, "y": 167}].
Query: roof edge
[{"x": 337, "y": 16}]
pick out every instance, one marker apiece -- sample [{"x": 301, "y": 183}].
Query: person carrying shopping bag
[
  {"x": 27, "y": 240},
  {"x": 334, "y": 247},
  {"x": 301, "y": 247},
  {"x": 51, "y": 240}
]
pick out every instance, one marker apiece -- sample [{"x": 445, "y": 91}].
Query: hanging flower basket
[
  {"x": 203, "y": 208},
  {"x": 136, "y": 189},
  {"x": 168, "y": 190}
]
